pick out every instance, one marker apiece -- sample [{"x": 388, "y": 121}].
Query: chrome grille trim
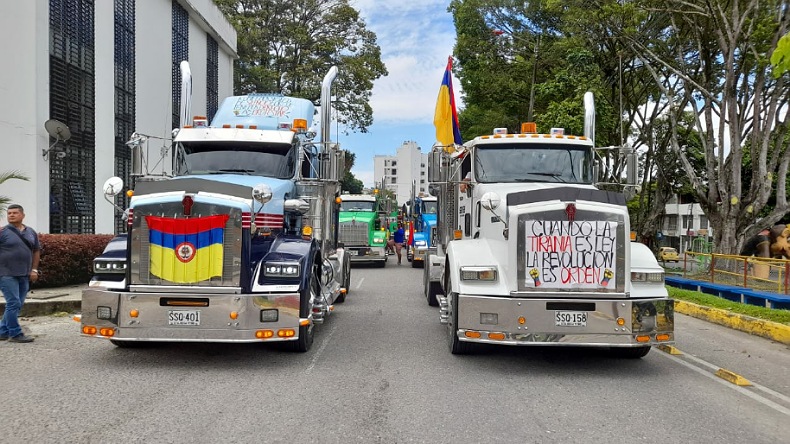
[{"x": 354, "y": 233}]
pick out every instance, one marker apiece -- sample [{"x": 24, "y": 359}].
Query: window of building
[
  {"x": 212, "y": 77},
  {"x": 125, "y": 84},
  {"x": 394, "y": 162},
  {"x": 394, "y": 180},
  {"x": 394, "y": 171},
  {"x": 672, "y": 222},
  {"x": 703, "y": 222},
  {"x": 180, "y": 52},
  {"x": 72, "y": 77}
]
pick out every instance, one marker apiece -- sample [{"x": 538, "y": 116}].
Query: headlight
[
  {"x": 420, "y": 243},
  {"x": 281, "y": 269},
  {"x": 378, "y": 240},
  {"x": 109, "y": 266},
  {"x": 657, "y": 278},
  {"x": 478, "y": 273}
]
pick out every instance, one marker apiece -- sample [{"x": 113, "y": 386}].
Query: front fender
[
  {"x": 289, "y": 249},
  {"x": 479, "y": 252}
]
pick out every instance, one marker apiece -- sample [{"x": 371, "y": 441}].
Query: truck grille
[
  {"x": 354, "y": 233},
  {"x": 140, "y": 269}
]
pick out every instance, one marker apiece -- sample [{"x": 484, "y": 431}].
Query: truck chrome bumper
[
  {"x": 423, "y": 253},
  {"x": 367, "y": 254},
  {"x": 520, "y": 321},
  {"x": 126, "y": 316}
]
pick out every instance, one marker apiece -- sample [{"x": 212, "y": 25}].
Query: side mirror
[
  {"x": 113, "y": 186},
  {"x": 262, "y": 193}
]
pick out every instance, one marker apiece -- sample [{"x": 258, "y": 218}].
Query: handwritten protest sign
[{"x": 564, "y": 254}]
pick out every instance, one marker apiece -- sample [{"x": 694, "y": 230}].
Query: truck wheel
[
  {"x": 457, "y": 347},
  {"x": 306, "y": 332},
  {"x": 431, "y": 289},
  {"x": 346, "y": 282},
  {"x": 383, "y": 263},
  {"x": 629, "y": 353}
]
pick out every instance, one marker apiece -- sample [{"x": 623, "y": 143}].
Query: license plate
[
  {"x": 570, "y": 318},
  {"x": 353, "y": 252},
  {"x": 183, "y": 317}
]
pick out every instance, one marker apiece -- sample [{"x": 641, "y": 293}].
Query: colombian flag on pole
[
  {"x": 445, "y": 118},
  {"x": 186, "y": 250}
]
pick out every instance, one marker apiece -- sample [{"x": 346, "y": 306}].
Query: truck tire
[
  {"x": 457, "y": 346},
  {"x": 346, "y": 281},
  {"x": 629, "y": 353},
  {"x": 383, "y": 263},
  {"x": 306, "y": 332},
  {"x": 431, "y": 289},
  {"x": 415, "y": 264}
]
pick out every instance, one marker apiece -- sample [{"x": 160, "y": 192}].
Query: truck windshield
[
  {"x": 357, "y": 206},
  {"x": 534, "y": 162},
  {"x": 253, "y": 158},
  {"x": 430, "y": 206}
]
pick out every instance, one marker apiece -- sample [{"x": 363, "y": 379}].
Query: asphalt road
[{"x": 380, "y": 371}]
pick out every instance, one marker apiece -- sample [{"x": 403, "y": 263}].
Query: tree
[
  {"x": 5, "y": 200},
  {"x": 287, "y": 48},
  {"x": 712, "y": 60},
  {"x": 349, "y": 182}
]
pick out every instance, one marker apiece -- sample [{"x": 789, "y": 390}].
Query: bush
[{"x": 67, "y": 259}]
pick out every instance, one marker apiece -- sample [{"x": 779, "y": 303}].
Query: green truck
[{"x": 361, "y": 231}]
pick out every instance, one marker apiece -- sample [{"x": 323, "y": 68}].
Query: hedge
[{"x": 67, "y": 259}]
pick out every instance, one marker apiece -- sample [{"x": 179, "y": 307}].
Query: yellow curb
[
  {"x": 767, "y": 329},
  {"x": 669, "y": 349},
  {"x": 732, "y": 377}
]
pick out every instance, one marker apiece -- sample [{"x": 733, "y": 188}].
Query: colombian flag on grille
[{"x": 186, "y": 250}]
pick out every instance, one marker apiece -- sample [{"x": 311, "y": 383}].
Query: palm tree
[{"x": 4, "y": 200}]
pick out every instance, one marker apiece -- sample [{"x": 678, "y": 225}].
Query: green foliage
[
  {"x": 5, "y": 200},
  {"x": 288, "y": 47},
  {"x": 780, "y": 58},
  {"x": 67, "y": 259},
  {"x": 351, "y": 184}
]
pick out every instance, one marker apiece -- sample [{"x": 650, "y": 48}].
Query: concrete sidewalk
[{"x": 48, "y": 301}]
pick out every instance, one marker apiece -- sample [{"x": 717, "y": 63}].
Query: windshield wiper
[
  {"x": 232, "y": 170},
  {"x": 554, "y": 175}
]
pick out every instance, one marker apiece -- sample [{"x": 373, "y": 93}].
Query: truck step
[{"x": 444, "y": 310}]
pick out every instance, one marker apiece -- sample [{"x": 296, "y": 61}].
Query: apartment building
[
  {"x": 685, "y": 226},
  {"x": 82, "y": 76},
  {"x": 408, "y": 166}
]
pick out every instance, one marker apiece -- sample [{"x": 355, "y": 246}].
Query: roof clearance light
[
  {"x": 299, "y": 125},
  {"x": 529, "y": 128},
  {"x": 500, "y": 131},
  {"x": 558, "y": 131}
]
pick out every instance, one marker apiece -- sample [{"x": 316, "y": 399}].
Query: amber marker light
[
  {"x": 338, "y": 200},
  {"x": 620, "y": 321},
  {"x": 89, "y": 330},
  {"x": 264, "y": 334},
  {"x": 304, "y": 322},
  {"x": 77, "y": 318},
  {"x": 497, "y": 336},
  {"x": 662, "y": 337},
  {"x": 108, "y": 332},
  {"x": 286, "y": 333},
  {"x": 457, "y": 234},
  {"x": 472, "y": 334},
  {"x": 343, "y": 290},
  {"x": 307, "y": 231},
  {"x": 522, "y": 320},
  {"x": 129, "y": 193},
  {"x": 643, "y": 338},
  {"x": 134, "y": 313},
  {"x": 234, "y": 315}
]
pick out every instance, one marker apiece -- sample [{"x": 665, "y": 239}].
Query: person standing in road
[
  {"x": 399, "y": 237},
  {"x": 20, "y": 252}
]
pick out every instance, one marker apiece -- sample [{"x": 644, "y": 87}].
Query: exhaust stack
[
  {"x": 326, "y": 105},
  {"x": 589, "y": 116}
]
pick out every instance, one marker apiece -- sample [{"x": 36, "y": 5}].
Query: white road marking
[
  {"x": 742, "y": 390},
  {"x": 360, "y": 283},
  {"x": 320, "y": 350}
]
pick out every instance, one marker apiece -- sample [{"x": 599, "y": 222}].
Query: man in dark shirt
[
  {"x": 19, "y": 256},
  {"x": 399, "y": 237}
]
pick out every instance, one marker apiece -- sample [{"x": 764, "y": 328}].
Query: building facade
[
  {"x": 685, "y": 227},
  {"x": 409, "y": 166},
  {"x": 98, "y": 71}
]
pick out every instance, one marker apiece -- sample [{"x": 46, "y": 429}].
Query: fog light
[
  {"x": 286, "y": 333},
  {"x": 489, "y": 318},
  {"x": 270, "y": 315},
  {"x": 264, "y": 334},
  {"x": 103, "y": 312}
]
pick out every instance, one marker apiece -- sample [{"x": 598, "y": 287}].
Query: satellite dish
[{"x": 57, "y": 129}]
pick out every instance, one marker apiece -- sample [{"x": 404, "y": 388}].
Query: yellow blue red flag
[
  {"x": 445, "y": 118},
  {"x": 186, "y": 250}
]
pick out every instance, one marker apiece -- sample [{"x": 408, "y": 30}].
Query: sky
[{"x": 416, "y": 37}]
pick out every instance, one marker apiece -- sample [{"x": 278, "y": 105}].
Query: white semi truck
[{"x": 531, "y": 252}]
